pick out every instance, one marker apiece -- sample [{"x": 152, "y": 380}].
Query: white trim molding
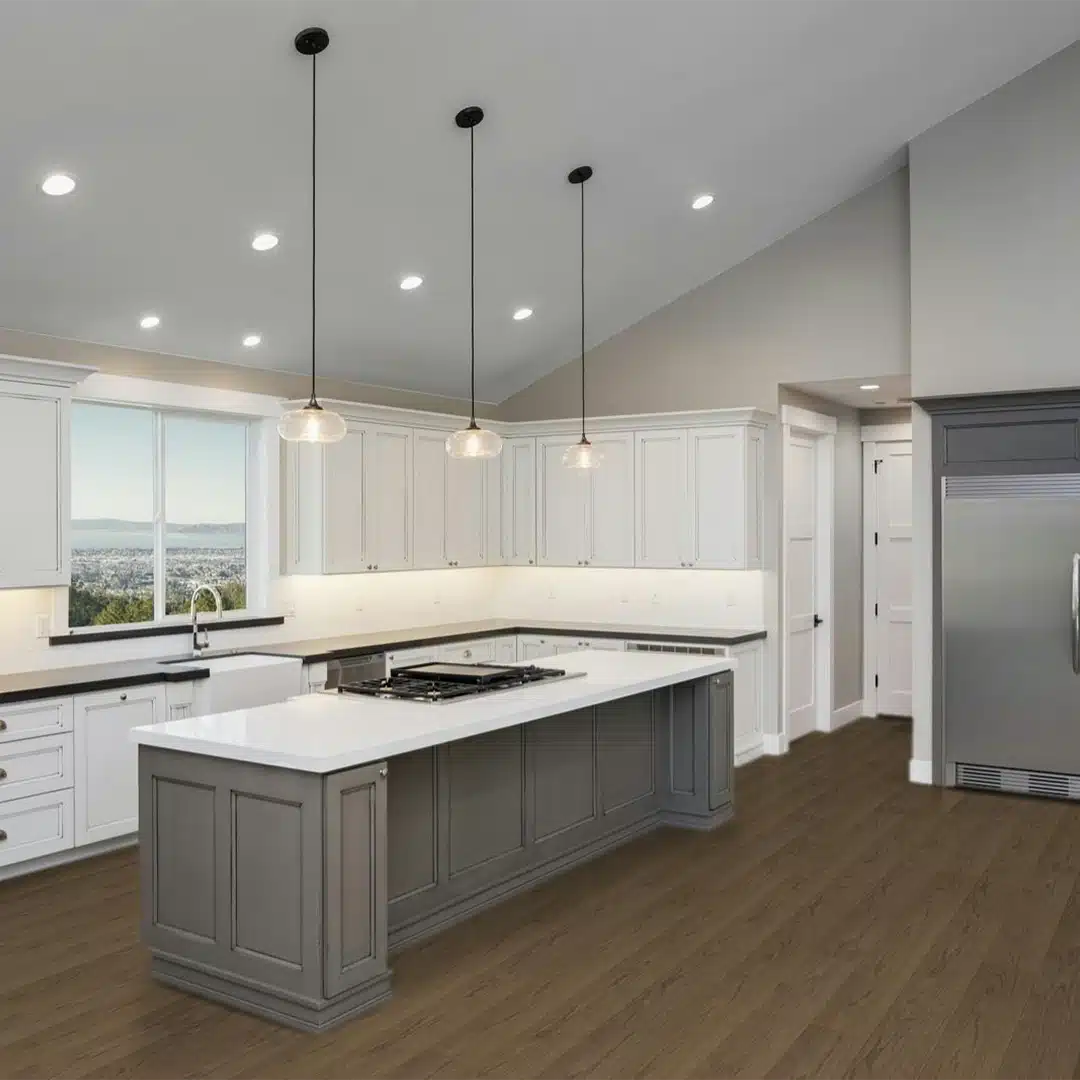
[
  {"x": 846, "y": 714},
  {"x": 886, "y": 433},
  {"x": 805, "y": 420},
  {"x": 127, "y": 390},
  {"x": 775, "y": 744},
  {"x": 920, "y": 772},
  {"x": 28, "y": 369},
  {"x": 749, "y": 753}
]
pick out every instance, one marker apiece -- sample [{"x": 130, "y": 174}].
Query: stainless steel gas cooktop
[{"x": 450, "y": 682}]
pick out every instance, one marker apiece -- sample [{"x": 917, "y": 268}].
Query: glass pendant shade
[
  {"x": 312, "y": 424},
  {"x": 582, "y": 455},
  {"x": 474, "y": 442}
]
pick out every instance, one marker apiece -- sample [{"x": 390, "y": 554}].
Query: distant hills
[{"x": 236, "y": 528}]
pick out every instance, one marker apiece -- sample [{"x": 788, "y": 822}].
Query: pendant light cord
[
  {"x": 472, "y": 278},
  {"x": 582, "y": 186},
  {"x": 314, "y": 60}
]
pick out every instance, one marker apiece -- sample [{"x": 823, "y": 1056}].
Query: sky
[{"x": 112, "y": 454}]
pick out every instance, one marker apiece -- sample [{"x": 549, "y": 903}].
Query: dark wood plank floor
[{"x": 847, "y": 924}]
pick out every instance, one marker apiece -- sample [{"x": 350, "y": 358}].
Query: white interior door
[
  {"x": 800, "y": 583},
  {"x": 893, "y": 577}
]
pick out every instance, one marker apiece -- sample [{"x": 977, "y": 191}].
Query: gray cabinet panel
[
  {"x": 562, "y": 773},
  {"x": 1033, "y": 439},
  {"x": 412, "y": 824},
  {"x": 684, "y": 733},
  {"x": 721, "y": 728},
  {"x": 485, "y": 799},
  {"x": 355, "y": 831},
  {"x": 184, "y": 886},
  {"x": 266, "y": 834},
  {"x": 625, "y": 751}
]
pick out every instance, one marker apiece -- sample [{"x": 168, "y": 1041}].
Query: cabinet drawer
[
  {"x": 29, "y": 719},
  {"x": 34, "y": 766},
  {"x": 469, "y": 652},
  {"x": 35, "y": 826}
]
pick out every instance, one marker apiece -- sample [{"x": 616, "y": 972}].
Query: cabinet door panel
[
  {"x": 429, "y": 500},
  {"x": 625, "y": 751},
  {"x": 388, "y": 503},
  {"x": 31, "y": 434},
  {"x": 563, "y": 790},
  {"x": 611, "y": 508},
  {"x": 106, "y": 760},
  {"x": 562, "y": 505},
  {"x": 465, "y": 489},
  {"x": 519, "y": 502},
  {"x": 717, "y": 498},
  {"x": 344, "y": 539},
  {"x": 662, "y": 527}
]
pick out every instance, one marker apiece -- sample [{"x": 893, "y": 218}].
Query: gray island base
[{"x": 284, "y": 892}]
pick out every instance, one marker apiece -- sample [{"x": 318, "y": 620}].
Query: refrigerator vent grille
[
  {"x": 1051, "y": 785},
  {"x": 1050, "y": 485}
]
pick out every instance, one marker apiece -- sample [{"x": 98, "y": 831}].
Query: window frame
[{"x": 257, "y": 479}]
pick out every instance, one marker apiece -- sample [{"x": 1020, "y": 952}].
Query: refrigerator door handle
[{"x": 1076, "y": 613}]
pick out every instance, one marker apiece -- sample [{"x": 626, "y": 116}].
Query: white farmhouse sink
[{"x": 245, "y": 681}]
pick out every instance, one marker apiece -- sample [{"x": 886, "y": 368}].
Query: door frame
[
  {"x": 871, "y": 436},
  {"x": 822, "y": 429}
]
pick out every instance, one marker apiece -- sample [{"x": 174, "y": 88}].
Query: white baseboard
[
  {"x": 920, "y": 772},
  {"x": 749, "y": 753},
  {"x": 846, "y": 714},
  {"x": 775, "y": 744},
  {"x": 70, "y": 855}
]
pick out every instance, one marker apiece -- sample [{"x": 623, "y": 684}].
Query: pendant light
[
  {"x": 473, "y": 441},
  {"x": 312, "y": 423},
  {"x": 582, "y": 455}
]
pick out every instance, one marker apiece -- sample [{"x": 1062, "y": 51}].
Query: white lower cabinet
[
  {"x": 481, "y": 651},
  {"x": 107, "y": 774},
  {"x": 506, "y": 650},
  {"x": 534, "y": 647},
  {"x": 315, "y": 677},
  {"x": 35, "y": 766},
  {"x": 27, "y": 719},
  {"x": 408, "y": 657},
  {"x": 749, "y": 699},
  {"x": 36, "y": 826}
]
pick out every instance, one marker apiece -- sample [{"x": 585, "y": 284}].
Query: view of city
[{"x": 112, "y": 569}]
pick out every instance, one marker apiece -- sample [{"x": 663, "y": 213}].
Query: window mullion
[{"x": 159, "y": 515}]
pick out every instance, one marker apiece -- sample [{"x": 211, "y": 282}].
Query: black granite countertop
[
  {"x": 56, "y": 682},
  {"x": 316, "y": 650}
]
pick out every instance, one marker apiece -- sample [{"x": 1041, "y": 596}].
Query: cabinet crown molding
[{"x": 28, "y": 369}]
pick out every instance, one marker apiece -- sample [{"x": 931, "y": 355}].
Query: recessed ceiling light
[
  {"x": 522, "y": 313},
  {"x": 251, "y": 341},
  {"x": 264, "y": 241},
  {"x": 701, "y": 201},
  {"x": 148, "y": 322},
  {"x": 58, "y": 184},
  {"x": 870, "y": 386},
  {"x": 411, "y": 281}
]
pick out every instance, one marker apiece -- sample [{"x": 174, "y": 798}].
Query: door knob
[{"x": 818, "y": 620}]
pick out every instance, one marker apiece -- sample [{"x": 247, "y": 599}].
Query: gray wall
[
  {"x": 995, "y": 239},
  {"x": 830, "y": 300},
  {"x": 185, "y": 369},
  {"x": 898, "y": 414},
  {"x": 847, "y": 544}
]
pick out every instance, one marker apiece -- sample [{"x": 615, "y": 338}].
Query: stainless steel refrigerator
[{"x": 1010, "y": 611}]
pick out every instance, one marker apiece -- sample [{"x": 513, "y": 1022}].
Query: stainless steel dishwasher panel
[
  {"x": 1010, "y": 638},
  {"x": 355, "y": 669}
]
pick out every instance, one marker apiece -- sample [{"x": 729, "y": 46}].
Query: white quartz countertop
[{"x": 323, "y": 733}]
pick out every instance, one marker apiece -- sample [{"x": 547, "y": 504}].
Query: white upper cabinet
[
  {"x": 699, "y": 497},
  {"x": 661, "y": 502},
  {"x": 34, "y": 480},
  {"x": 388, "y": 474},
  {"x": 610, "y": 522},
  {"x": 349, "y": 503},
  {"x": 518, "y": 533},
  {"x": 562, "y": 506},
  {"x": 429, "y": 500},
  {"x": 344, "y": 539},
  {"x": 466, "y": 504}
]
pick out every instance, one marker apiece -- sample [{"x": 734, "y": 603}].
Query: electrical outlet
[
  {"x": 42, "y": 626},
  {"x": 730, "y": 599},
  {"x": 655, "y": 598}
]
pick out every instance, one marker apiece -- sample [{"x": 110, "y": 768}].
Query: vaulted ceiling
[{"x": 187, "y": 127}]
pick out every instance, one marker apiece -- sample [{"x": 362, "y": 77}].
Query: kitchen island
[{"x": 286, "y": 850}]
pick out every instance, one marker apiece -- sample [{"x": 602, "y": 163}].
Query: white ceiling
[
  {"x": 891, "y": 390},
  {"x": 187, "y": 126}
]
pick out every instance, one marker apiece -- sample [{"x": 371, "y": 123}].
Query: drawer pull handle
[
  {"x": 3, "y": 725},
  {"x": 382, "y": 772},
  {"x": 3, "y": 836},
  {"x": 123, "y": 697},
  {"x": 3, "y": 774}
]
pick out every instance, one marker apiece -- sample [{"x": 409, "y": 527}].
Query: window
[{"x": 158, "y": 506}]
